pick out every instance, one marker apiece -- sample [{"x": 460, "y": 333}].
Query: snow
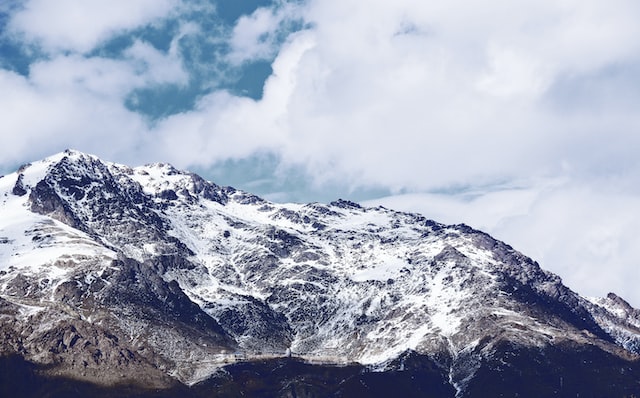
[
  {"x": 385, "y": 270},
  {"x": 39, "y": 245},
  {"x": 442, "y": 301},
  {"x": 157, "y": 177},
  {"x": 27, "y": 311},
  {"x": 609, "y": 306}
]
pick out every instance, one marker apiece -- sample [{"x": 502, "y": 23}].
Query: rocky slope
[{"x": 154, "y": 278}]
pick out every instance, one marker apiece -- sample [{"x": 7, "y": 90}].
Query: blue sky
[{"x": 516, "y": 118}]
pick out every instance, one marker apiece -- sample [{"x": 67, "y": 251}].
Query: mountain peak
[
  {"x": 70, "y": 155},
  {"x": 187, "y": 277}
]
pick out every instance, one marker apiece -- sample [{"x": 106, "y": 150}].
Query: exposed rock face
[{"x": 151, "y": 277}]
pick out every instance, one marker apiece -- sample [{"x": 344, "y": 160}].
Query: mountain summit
[{"x": 154, "y": 281}]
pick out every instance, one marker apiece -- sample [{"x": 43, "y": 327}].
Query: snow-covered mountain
[{"x": 154, "y": 277}]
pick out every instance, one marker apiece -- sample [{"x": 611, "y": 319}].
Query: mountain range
[{"x": 152, "y": 281}]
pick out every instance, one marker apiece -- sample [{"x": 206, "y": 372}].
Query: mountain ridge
[{"x": 107, "y": 268}]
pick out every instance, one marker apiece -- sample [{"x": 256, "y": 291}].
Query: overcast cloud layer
[{"x": 519, "y": 118}]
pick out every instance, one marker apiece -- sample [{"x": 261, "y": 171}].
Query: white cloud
[
  {"x": 39, "y": 120},
  {"x": 251, "y": 39},
  {"x": 69, "y": 25},
  {"x": 142, "y": 66},
  {"x": 255, "y": 36},
  {"x": 414, "y": 95},
  {"x": 512, "y": 73},
  {"x": 70, "y": 99},
  {"x": 65, "y": 74},
  {"x": 156, "y": 67},
  {"x": 73, "y": 101},
  {"x": 228, "y": 127}
]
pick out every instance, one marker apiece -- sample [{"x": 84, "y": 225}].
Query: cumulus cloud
[
  {"x": 73, "y": 101},
  {"x": 68, "y": 25},
  {"x": 228, "y": 127},
  {"x": 257, "y": 36},
  {"x": 40, "y": 119},
  {"x": 251, "y": 36},
  {"x": 461, "y": 95},
  {"x": 155, "y": 66}
]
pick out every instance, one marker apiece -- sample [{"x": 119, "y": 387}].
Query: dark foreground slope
[
  {"x": 515, "y": 372},
  {"x": 285, "y": 377}
]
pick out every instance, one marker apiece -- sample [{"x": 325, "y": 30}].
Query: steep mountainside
[{"x": 152, "y": 278}]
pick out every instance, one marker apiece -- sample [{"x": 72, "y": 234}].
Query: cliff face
[{"x": 154, "y": 277}]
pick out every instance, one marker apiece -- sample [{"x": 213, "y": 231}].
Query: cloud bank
[
  {"x": 517, "y": 118},
  {"x": 67, "y": 25}
]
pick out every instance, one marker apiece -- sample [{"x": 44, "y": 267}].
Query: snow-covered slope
[{"x": 187, "y": 276}]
